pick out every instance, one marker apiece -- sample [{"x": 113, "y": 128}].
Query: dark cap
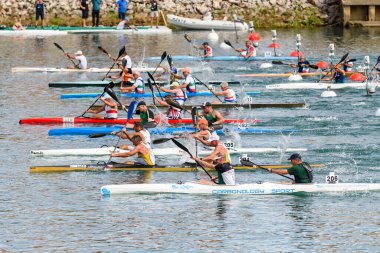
[
  {"x": 206, "y": 104},
  {"x": 205, "y": 43},
  {"x": 295, "y": 156},
  {"x": 141, "y": 103}
]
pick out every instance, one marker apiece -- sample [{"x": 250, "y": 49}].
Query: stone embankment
[{"x": 264, "y": 13}]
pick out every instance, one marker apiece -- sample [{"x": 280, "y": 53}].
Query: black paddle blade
[
  {"x": 121, "y": 51},
  {"x": 163, "y": 56},
  {"x": 96, "y": 135},
  {"x": 313, "y": 66},
  {"x": 57, "y": 45},
  {"x": 343, "y": 58},
  {"x": 102, "y": 49},
  {"x": 112, "y": 94},
  {"x": 150, "y": 85},
  {"x": 170, "y": 60},
  {"x": 111, "y": 85},
  {"x": 378, "y": 60},
  {"x": 351, "y": 60},
  {"x": 161, "y": 140},
  {"x": 181, "y": 146},
  {"x": 194, "y": 115},
  {"x": 151, "y": 77},
  {"x": 187, "y": 37},
  {"x": 174, "y": 104},
  {"x": 245, "y": 162},
  {"x": 277, "y": 62},
  {"x": 228, "y": 43},
  {"x": 150, "y": 124}
]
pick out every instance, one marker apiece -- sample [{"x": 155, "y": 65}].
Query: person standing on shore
[
  {"x": 84, "y": 8},
  {"x": 153, "y": 12},
  {"x": 122, "y": 9},
  {"x": 96, "y": 5},
  {"x": 40, "y": 12}
]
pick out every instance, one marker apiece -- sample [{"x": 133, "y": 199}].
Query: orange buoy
[
  {"x": 296, "y": 54},
  {"x": 254, "y": 37},
  {"x": 357, "y": 77},
  {"x": 322, "y": 65},
  {"x": 274, "y": 45}
]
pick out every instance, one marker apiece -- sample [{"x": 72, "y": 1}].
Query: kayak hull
[
  {"x": 315, "y": 86},
  {"x": 222, "y": 58},
  {"x": 266, "y": 188},
  {"x": 89, "y": 70}
]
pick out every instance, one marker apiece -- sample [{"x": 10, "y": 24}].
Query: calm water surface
[{"x": 65, "y": 212}]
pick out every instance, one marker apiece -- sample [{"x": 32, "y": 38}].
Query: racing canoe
[
  {"x": 144, "y": 95},
  {"x": 177, "y": 130},
  {"x": 316, "y": 86},
  {"x": 89, "y": 70},
  {"x": 124, "y": 167},
  {"x": 222, "y": 58},
  {"x": 105, "y": 151},
  {"x": 104, "y": 83},
  {"x": 119, "y": 121},
  {"x": 265, "y": 188}
]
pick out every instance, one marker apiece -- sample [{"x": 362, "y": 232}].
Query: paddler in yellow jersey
[
  {"x": 143, "y": 151},
  {"x": 229, "y": 94}
]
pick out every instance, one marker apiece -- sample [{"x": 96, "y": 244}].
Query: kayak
[
  {"x": 265, "y": 188},
  {"x": 104, "y": 83},
  {"x": 249, "y": 106},
  {"x": 188, "y": 167},
  {"x": 144, "y": 95},
  {"x": 89, "y": 70},
  {"x": 10, "y": 32},
  {"x": 177, "y": 130},
  {"x": 205, "y": 24},
  {"x": 105, "y": 151},
  {"x": 119, "y": 121},
  {"x": 222, "y": 58},
  {"x": 288, "y": 74},
  {"x": 317, "y": 86}
]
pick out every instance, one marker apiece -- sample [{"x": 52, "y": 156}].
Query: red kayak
[{"x": 119, "y": 121}]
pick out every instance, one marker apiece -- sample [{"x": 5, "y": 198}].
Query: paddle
[
  {"x": 187, "y": 151},
  {"x": 170, "y": 61},
  {"x": 194, "y": 114},
  {"x": 163, "y": 56},
  {"x": 234, "y": 17},
  {"x": 150, "y": 124},
  {"x": 121, "y": 52},
  {"x": 155, "y": 84},
  {"x": 151, "y": 89},
  {"x": 377, "y": 63},
  {"x": 188, "y": 38},
  {"x": 108, "y": 86},
  {"x": 288, "y": 63},
  {"x": 251, "y": 164},
  {"x": 230, "y": 44},
  {"x": 60, "y": 48},
  {"x": 341, "y": 60},
  {"x": 208, "y": 88}
]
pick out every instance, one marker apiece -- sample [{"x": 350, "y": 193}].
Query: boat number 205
[{"x": 332, "y": 178}]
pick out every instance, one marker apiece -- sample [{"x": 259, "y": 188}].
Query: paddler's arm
[
  {"x": 219, "y": 118},
  {"x": 183, "y": 86},
  {"x": 100, "y": 109},
  {"x": 250, "y": 54},
  {"x": 176, "y": 75},
  {"x": 128, "y": 154},
  {"x": 203, "y": 163},
  {"x": 71, "y": 56},
  {"x": 127, "y": 89},
  {"x": 221, "y": 93},
  {"x": 280, "y": 172},
  {"x": 204, "y": 142},
  {"x": 166, "y": 90},
  {"x": 161, "y": 102}
]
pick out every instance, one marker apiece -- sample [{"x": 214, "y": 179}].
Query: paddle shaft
[
  {"x": 121, "y": 51},
  {"x": 163, "y": 56},
  {"x": 60, "y": 48},
  {"x": 207, "y": 88},
  {"x": 341, "y": 60},
  {"x": 263, "y": 168}
]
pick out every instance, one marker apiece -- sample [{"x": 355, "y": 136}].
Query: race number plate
[
  {"x": 244, "y": 157},
  {"x": 332, "y": 178},
  {"x": 229, "y": 145}
]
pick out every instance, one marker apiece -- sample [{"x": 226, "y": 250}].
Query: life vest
[
  {"x": 231, "y": 98},
  {"x": 180, "y": 99},
  {"x": 250, "y": 49},
  {"x": 111, "y": 112},
  {"x": 207, "y": 50},
  {"x": 173, "y": 113}
]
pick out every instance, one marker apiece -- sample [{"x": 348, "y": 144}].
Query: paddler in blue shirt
[
  {"x": 301, "y": 171},
  {"x": 302, "y": 65},
  {"x": 338, "y": 74}
]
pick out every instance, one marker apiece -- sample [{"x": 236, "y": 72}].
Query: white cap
[{"x": 78, "y": 52}]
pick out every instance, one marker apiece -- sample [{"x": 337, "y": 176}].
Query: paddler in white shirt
[
  {"x": 82, "y": 61},
  {"x": 229, "y": 94},
  {"x": 109, "y": 106},
  {"x": 178, "y": 94},
  {"x": 138, "y": 85},
  {"x": 143, "y": 151},
  {"x": 188, "y": 81},
  {"x": 139, "y": 131},
  {"x": 249, "y": 51}
]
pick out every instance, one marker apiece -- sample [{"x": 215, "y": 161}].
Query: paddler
[
  {"x": 207, "y": 50},
  {"x": 188, "y": 81},
  {"x": 338, "y": 74},
  {"x": 82, "y": 61},
  {"x": 139, "y": 131},
  {"x": 249, "y": 50},
  {"x": 138, "y": 85},
  {"x": 229, "y": 94},
  {"x": 143, "y": 151},
  {"x": 109, "y": 106},
  {"x": 178, "y": 94},
  {"x": 302, "y": 65},
  {"x": 347, "y": 65},
  {"x": 125, "y": 74},
  {"x": 163, "y": 76},
  {"x": 211, "y": 115},
  {"x": 146, "y": 115},
  {"x": 301, "y": 171},
  {"x": 172, "y": 112},
  {"x": 226, "y": 172}
]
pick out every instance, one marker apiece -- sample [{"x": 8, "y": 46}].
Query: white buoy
[
  {"x": 224, "y": 46},
  {"x": 213, "y": 36},
  {"x": 295, "y": 77},
  {"x": 378, "y": 112},
  {"x": 266, "y": 65},
  {"x": 328, "y": 94}
]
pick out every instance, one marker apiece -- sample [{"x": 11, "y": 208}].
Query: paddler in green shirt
[
  {"x": 146, "y": 115},
  {"x": 211, "y": 115},
  {"x": 301, "y": 171}
]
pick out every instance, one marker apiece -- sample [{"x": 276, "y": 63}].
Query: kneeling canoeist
[
  {"x": 188, "y": 81},
  {"x": 207, "y": 50},
  {"x": 109, "y": 106},
  {"x": 146, "y": 115},
  {"x": 301, "y": 171},
  {"x": 82, "y": 61},
  {"x": 229, "y": 94},
  {"x": 226, "y": 172},
  {"x": 172, "y": 112},
  {"x": 212, "y": 116},
  {"x": 143, "y": 151},
  {"x": 138, "y": 85},
  {"x": 249, "y": 50},
  {"x": 139, "y": 131},
  {"x": 302, "y": 65}
]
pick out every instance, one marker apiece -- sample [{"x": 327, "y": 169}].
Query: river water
[{"x": 64, "y": 212}]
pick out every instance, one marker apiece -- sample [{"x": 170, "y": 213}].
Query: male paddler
[
  {"x": 143, "y": 151},
  {"x": 302, "y": 65},
  {"x": 146, "y": 115},
  {"x": 172, "y": 112},
  {"x": 109, "y": 106},
  {"x": 138, "y": 85},
  {"x": 188, "y": 81},
  {"x": 301, "y": 171},
  {"x": 82, "y": 61},
  {"x": 226, "y": 172},
  {"x": 207, "y": 50},
  {"x": 347, "y": 65},
  {"x": 229, "y": 94},
  {"x": 249, "y": 50},
  {"x": 212, "y": 116},
  {"x": 337, "y": 74},
  {"x": 177, "y": 93},
  {"x": 139, "y": 131}
]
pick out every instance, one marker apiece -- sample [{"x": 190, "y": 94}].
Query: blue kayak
[
  {"x": 144, "y": 95},
  {"x": 165, "y": 130},
  {"x": 223, "y": 58}
]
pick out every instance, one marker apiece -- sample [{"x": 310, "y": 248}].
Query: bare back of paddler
[{"x": 143, "y": 151}]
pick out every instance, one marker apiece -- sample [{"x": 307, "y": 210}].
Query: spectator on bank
[
  {"x": 84, "y": 8},
  {"x": 122, "y": 9},
  {"x": 96, "y": 5},
  {"x": 18, "y": 26},
  {"x": 40, "y": 12},
  {"x": 153, "y": 12}
]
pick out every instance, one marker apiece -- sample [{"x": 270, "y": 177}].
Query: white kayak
[
  {"x": 316, "y": 86},
  {"x": 266, "y": 188},
  {"x": 105, "y": 151},
  {"x": 93, "y": 70},
  {"x": 32, "y": 32},
  {"x": 201, "y": 24}
]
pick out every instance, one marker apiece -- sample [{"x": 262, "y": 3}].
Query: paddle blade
[
  {"x": 352, "y": 60},
  {"x": 228, "y": 43},
  {"x": 187, "y": 37},
  {"x": 174, "y": 104},
  {"x": 131, "y": 110},
  {"x": 163, "y": 56},
  {"x": 96, "y": 135},
  {"x": 151, "y": 77},
  {"x": 150, "y": 85},
  {"x": 58, "y": 46},
  {"x": 121, "y": 51},
  {"x": 343, "y": 58},
  {"x": 194, "y": 115},
  {"x": 313, "y": 66},
  {"x": 150, "y": 124},
  {"x": 277, "y": 62},
  {"x": 378, "y": 60},
  {"x": 112, "y": 94},
  {"x": 161, "y": 140},
  {"x": 124, "y": 62},
  {"x": 102, "y": 49},
  {"x": 170, "y": 60},
  {"x": 111, "y": 85},
  {"x": 181, "y": 146},
  {"x": 245, "y": 162}
]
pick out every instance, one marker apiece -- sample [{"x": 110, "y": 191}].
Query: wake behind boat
[{"x": 265, "y": 188}]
